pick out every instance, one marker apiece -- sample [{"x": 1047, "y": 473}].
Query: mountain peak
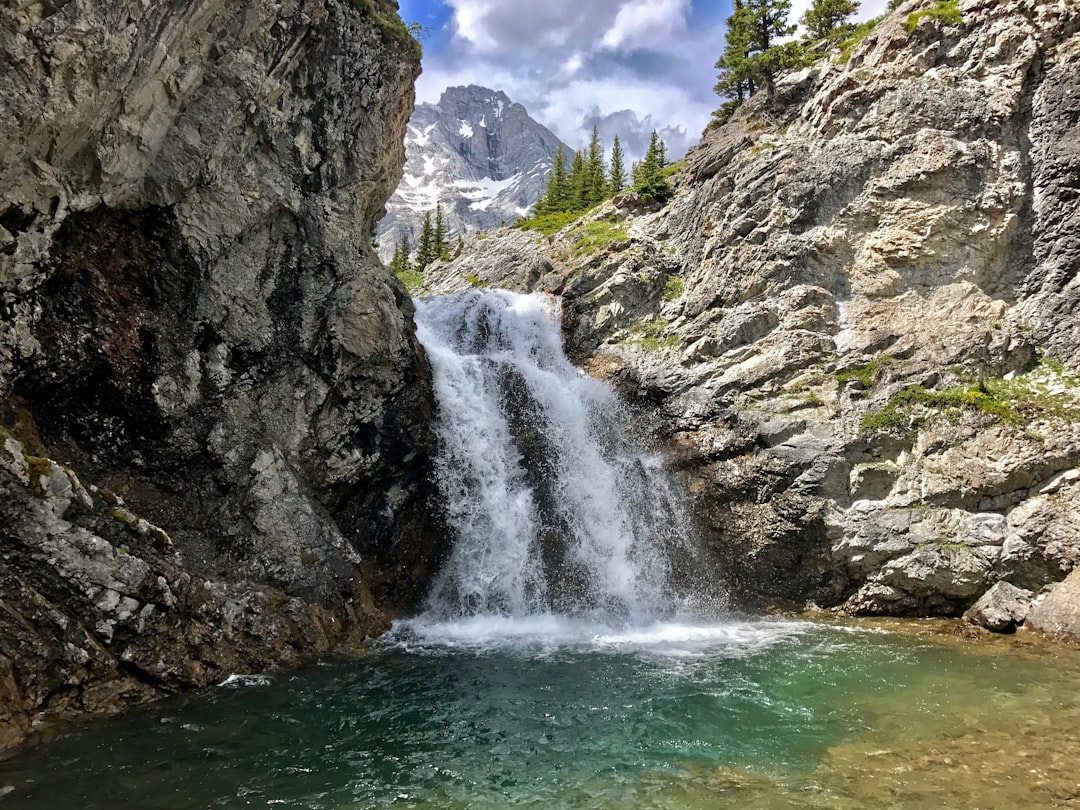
[{"x": 475, "y": 152}]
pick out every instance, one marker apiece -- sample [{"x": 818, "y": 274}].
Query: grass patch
[
  {"x": 674, "y": 169},
  {"x": 548, "y": 223},
  {"x": 649, "y": 335},
  {"x": 392, "y": 30},
  {"x": 867, "y": 374},
  {"x": 852, "y": 41},
  {"x": 673, "y": 288},
  {"x": 412, "y": 279},
  {"x": 946, "y": 12},
  {"x": 1013, "y": 402},
  {"x": 592, "y": 236}
]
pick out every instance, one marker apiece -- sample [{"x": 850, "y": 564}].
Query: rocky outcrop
[
  {"x": 215, "y": 413},
  {"x": 855, "y": 324},
  {"x": 1058, "y": 614}
]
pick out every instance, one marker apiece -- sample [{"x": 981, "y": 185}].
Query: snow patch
[
  {"x": 421, "y": 138},
  {"x": 483, "y": 121},
  {"x": 466, "y": 130}
]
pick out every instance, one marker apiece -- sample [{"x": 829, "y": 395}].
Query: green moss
[
  {"x": 946, "y": 12},
  {"x": 673, "y": 288},
  {"x": 867, "y": 374},
  {"x": 474, "y": 281},
  {"x": 592, "y": 236},
  {"x": 412, "y": 280}
]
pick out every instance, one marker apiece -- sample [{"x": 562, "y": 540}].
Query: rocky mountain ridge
[
  {"x": 215, "y": 416},
  {"x": 855, "y": 325},
  {"x": 476, "y": 153}
]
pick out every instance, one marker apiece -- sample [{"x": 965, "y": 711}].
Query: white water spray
[{"x": 555, "y": 510}]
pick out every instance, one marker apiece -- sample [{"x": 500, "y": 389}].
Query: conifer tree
[
  {"x": 555, "y": 194},
  {"x": 648, "y": 175},
  {"x": 617, "y": 174},
  {"x": 826, "y": 19},
  {"x": 576, "y": 197},
  {"x": 400, "y": 264},
  {"x": 426, "y": 245},
  {"x": 752, "y": 58},
  {"x": 594, "y": 172},
  {"x": 438, "y": 239}
]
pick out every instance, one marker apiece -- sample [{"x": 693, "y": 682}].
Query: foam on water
[{"x": 542, "y": 634}]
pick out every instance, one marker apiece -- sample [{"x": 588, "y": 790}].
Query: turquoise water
[{"x": 549, "y": 713}]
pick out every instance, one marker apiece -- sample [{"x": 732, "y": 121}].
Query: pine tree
[
  {"x": 400, "y": 263},
  {"x": 827, "y": 19},
  {"x": 649, "y": 178},
  {"x": 576, "y": 196},
  {"x": 555, "y": 194},
  {"x": 438, "y": 239},
  {"x": 426, "y": 245},
  {"x": 617, "y": 174},
  {"x": 752, "y": 59},
  {"x": 594, "y": 172}
]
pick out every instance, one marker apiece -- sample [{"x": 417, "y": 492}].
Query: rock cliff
[
  {"x": 215, "y": 415},
  {"x": 855, "y": 325}
]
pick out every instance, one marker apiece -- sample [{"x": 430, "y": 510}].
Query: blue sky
[{"x": 627, "y": 66}]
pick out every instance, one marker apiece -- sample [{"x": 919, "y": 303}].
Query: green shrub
[
  {"x": 946, "y": 12},
  {"x": 852, "y": 41},
  {"x": 392, "y": 30},
  {"x": 412, "y": 279}
]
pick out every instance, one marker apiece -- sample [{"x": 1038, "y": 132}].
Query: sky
[{"x": 625, "y": 66}]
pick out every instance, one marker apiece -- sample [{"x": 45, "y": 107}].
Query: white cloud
[
  {"x": 629, "y": 64},
  {"x": 642, "y": 22}
]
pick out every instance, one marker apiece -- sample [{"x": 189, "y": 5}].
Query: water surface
[{"x": 554, "y": 713}]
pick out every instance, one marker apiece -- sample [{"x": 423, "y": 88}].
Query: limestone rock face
[
  {"x": 199, "y": 343},
  {"x": 1058, "y": 614},
  {"x": 855, "y": 326}
]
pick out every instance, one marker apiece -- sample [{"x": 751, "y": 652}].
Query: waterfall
[{"x": 555, "y": 508}]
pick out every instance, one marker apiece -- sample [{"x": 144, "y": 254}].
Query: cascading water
[{"x": 555, "y": 510}]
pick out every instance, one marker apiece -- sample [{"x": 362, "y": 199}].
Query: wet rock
[{"x": 1001, "y": 609}]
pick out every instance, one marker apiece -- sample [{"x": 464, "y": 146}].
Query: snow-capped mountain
[{"x": 476, "y": 152}]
